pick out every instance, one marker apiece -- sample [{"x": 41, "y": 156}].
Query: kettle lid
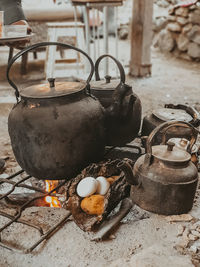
[
  {"x": 170, "y": 153},
  {"x": 107, "y": 84},
  {"x": 168, "y": 114},
  {"x": 52, "y": 89}
]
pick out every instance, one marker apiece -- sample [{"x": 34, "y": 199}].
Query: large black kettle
[{"x": 56, "y": 128}]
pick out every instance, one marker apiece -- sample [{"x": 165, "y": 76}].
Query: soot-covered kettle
[{"x": 56, "y": 128}]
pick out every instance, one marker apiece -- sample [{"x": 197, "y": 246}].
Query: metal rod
[
  {"x": 14, "y": 185},
  {"x": 94, "y": 33},
  {"x": 13, "y": 175},
  {"x": 16, "y": 218},
  {"x": 18, "y": 214},
  {"x": 98, "y": 35},
  {"x": 45, "y": 236},
  {"x": 11, "y": 49},
  {"x": 22, "y": 221},
  {"x": 44, "y": 195},
  {"x": 5, "y": 246},
  {"x": 34, "y": 188}
]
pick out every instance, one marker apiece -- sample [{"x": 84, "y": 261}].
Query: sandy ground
[{"x": 143, "y": 239}]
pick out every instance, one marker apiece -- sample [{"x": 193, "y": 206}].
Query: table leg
[
  {"x": 105, "y": 36},
  {"x": 76, "y": 42},
  {"x": 24, "y": 64},
  {"x": 87, "y": 29},
  {"x": 10, "y": 53},
  {"x": 87, "y": 32},
  {"x": 116, "y": 36},
  {"x": 98, "y": 35},
  {"x": 50, "y": 54},
  {"x": 94, "y": 32}
]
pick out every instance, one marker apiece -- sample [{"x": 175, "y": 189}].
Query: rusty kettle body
[{"x": 164, "y": 180}]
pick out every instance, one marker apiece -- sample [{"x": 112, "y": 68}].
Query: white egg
[
  {"x": 103, "y": 185},
  {"x": 87, "y": 187}
]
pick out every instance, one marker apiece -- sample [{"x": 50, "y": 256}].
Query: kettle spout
[
  {"x": 120, "y": 92},
  {"x": 127, "y": 169},
  {"x": 116, "y": 108}
]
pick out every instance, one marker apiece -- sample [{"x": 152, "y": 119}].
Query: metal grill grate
[
  {"x": 128, "y": 151},
  {"x": 16, "y": 218}
]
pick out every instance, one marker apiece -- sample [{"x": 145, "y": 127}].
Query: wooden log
[{"x": 141, "y": 38}]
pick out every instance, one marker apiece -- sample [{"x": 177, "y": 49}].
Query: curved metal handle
[
  {"x": 166, "y": 126},
  {"x": 192, "y": 140},
  {"x": 119, "y": 65},
  {"x": 35, "y": 46}
]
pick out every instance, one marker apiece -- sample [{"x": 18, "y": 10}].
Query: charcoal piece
[{"x": 119, "y": 190}]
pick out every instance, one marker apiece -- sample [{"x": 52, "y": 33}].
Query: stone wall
[{"x": 179, "y": 32}]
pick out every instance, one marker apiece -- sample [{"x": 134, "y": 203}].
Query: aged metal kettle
[
  {"x": 171, "y": 112},
  {"x": 123, "y": 107},
  {"x": 164, "y": 180},
  {"x": 56, "y": 128}
]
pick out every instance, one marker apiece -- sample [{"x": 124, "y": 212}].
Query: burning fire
[{"x": 52, "y": 201}]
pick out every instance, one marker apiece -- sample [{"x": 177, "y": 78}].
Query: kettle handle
[
  {"x": 192, "y": 140},
  {"x": 42, "y": 44},
  {"x": 119, "y": 65},
  {"x": 189, "y": 110},
  {"x": 166, "y": 126}
]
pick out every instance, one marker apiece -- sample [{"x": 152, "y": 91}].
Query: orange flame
[{"x": 52, "y": 201}]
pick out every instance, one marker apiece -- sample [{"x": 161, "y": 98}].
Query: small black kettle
[{"x": 122, "y": 107}]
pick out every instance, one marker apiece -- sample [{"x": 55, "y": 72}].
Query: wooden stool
[{"x": 74, "y": 30}]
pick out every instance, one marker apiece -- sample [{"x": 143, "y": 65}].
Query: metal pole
[
  {"x": 94, "y": 32},
  {"x": 98, "y": 37},
  {"x": 116, "y": 35},
  {"x": 105, "y": 36}
]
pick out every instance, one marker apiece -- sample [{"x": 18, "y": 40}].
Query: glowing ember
[{"x": 52, "y": 201}]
